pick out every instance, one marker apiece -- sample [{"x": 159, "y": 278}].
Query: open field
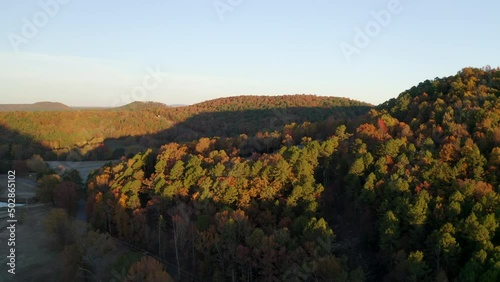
[
  {"x": 25, "y": 187},
  {"x": 85, "y": 167},
  {"x": 35, "y": 259}
]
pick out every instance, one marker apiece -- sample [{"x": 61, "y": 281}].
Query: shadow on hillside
[
  {"x": 247, "y": 122},
  {"x": 16, "y": 146},
  {"x": 207, "y": 124}
]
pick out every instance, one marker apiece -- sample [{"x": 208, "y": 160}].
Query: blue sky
[{"x": 102, "y": 53}]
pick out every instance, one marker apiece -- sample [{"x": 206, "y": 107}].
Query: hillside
[
  {"x": 111, "y": 133},
  {"x": 240, "y": 103},
  {"x": 40, "y": 106},
  {"x": 419, "y": 179},
  {"x": 407, "y": 192}
]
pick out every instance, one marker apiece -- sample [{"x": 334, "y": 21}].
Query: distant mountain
[
  {"x": 139, "y": 106},
  {"x": 40, "y": 106}
]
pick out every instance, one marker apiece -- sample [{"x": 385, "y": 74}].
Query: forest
[
  {"x": 111, "y": 133},
  {"x": 289, "y": 188}
]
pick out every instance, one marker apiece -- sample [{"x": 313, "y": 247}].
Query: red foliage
[
  {"x": 425, "y": 186},
  {"x": 382, "y": 126}
]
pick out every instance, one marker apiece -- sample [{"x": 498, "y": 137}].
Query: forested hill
[
  {"x": 475, "y": 91},
  {"x": 111, "y": 133},
  {"x": 40, "y": 106},
  {"x": 407, "y": 192},
  {"x": 142, "y": 106},
  {"x": 240, "y": 103},
  {"x": 422, "y": 175}
]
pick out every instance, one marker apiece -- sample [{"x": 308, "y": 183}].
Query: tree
[
  {"x": 340, "y": 132},
  {"x": 389, "y": 231},
  {"x": 418, "y": 210},
  {"x": 20, "y": 167},
  {"x": 37, "y": 164},
  {"x": 73, "y": 176},
  {"x": 180, "y": 230},
  {"x": 412, "y": 269},
  {"x": 474, "y": 159},
  {"x": 72, "y": 257},
  {"x": 147, "y": 269},
  {"x": 368, "y": 194},
  {"x": 392, "y": 147},
  {"x": 203, "y": 146},
  {"x": 46, "y": 188},
  {"x": 445, "y": 247},
  {"x": 177, "y": 170},
  {"x": 93, "y": 248},
  {"x": 477, "y": 232},
  {"x": 66, "y": 196},
  {"x": 495, "y": 157},
  {"x": 59, "y": 228},
  {"x": 358, "y": 167}
]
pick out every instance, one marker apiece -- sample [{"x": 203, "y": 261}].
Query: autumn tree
[
  {"x": 47, "y": 185},
  {"x": 147, "y": 270},
  {"x": 74, "y": 176},
  {"x": 59, "y": 227},
  {"x": 37, "y": 164},
  {"x": 94, "y": 246}
]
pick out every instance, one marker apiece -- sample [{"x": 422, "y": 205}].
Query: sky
[{"x": 109, "y": 53}]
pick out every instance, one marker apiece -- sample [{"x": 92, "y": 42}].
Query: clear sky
[{"x": 103, "y": 53}]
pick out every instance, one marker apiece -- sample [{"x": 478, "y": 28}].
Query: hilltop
[
  {"x": 139, "y": 106},
  {"x": 247, "y": 102},
  {"x": 40, "y": 106}
]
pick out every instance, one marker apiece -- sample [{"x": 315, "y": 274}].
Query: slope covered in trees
[
  {"x": 40, "y": 106},
  {"x": 240, "y": 103},
  {"x": 107, "y": 134},
  {"x": 424, "y": 167},
  {"x": 417, "y": 178},
  {"x": 293, "y": 187},
  {"x": 220, "y": 215}
]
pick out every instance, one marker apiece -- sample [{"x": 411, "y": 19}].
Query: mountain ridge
[{"x": 37, "y": 106}]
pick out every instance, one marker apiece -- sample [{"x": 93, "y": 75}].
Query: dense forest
[{"x": 298, "y": 188}]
